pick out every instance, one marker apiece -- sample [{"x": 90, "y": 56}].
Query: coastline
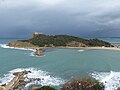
[
  {"x": 97, "y": 48},
  {"x": 67, "y": 47}
]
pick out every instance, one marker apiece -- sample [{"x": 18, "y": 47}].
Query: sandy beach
[{"x": 99, "y": 48}]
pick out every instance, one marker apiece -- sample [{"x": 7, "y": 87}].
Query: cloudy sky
[{"x": 86, "y": 18}]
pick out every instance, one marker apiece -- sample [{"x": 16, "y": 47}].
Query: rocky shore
[
  {"x": 17, "y": 83},
  {"x": 21, "y": 44}
]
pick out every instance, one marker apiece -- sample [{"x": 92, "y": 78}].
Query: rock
[
  {"x": 2, "y": 88},
  {"x": 39, "y": 52},
  {"x": 23, "y": 72},
  {"x": 12, "y": 44},
  {"x": 18, "y": 82},
  {"x": 20, "y": 44}
]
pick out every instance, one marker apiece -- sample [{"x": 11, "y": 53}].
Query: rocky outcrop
[
  {"x": 17, "y": 83},
  {"x": 39, "y": 52},
  {"x": 20, "y": 44},
  {"x": 2, "y": 88}
]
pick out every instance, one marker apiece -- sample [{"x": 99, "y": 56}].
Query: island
[{"x": 39, "y": 41}]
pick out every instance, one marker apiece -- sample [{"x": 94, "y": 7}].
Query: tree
[
  {"x": 83, "y": 84},
  {"x": 43, "y": 88}
]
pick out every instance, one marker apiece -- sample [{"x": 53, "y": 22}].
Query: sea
[{"x": 59, "y": 65}]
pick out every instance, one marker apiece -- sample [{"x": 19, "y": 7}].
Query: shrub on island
[
  {"x": 43, "y": 88},
  {"x": 41, "y": 40},
  {"x": 118, "y": 88},
  {"x": 83, "y": 84}
]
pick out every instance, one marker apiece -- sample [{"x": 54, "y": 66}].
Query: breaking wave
[
  {"x": 5, "y": 46},
  {"x": 111, "y": 80},
  {"x": 38, "y": 77},
  {"x": 25, "y": 49}
]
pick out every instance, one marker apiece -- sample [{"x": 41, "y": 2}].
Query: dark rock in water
[
  {"x": 23, "y": 72},
  {"x": 39, "y": 52}
]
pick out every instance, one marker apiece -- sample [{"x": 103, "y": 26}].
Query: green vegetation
[
  {"x": 64, "y": 40},
  {"x": 77, "y": 84},
  {"x": 118, "y": 88},
  {"x": 43, "y": 88},
  {"x": 83, "y": 84}
]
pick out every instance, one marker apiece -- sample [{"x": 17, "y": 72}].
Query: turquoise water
[{"x": 63, "y": 63}]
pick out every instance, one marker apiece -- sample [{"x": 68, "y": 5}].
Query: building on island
[{"x": 37, "y": 34}]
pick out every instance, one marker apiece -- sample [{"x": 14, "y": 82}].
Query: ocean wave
[
  {"x": 111, "y": 80},
  {"x": 6, "y": 46},
  {"x": 44, "y": 77}
]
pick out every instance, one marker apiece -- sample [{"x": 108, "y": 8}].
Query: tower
[{"x": 37, "y": 34}]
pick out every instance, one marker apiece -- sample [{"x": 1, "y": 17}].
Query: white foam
[
  {"x": 111, "y": 80},
  {"x": 25, "y": 49},
  {"x": 81, "y": 50},
  {"x": 6, "y": 46},
  {"x": 46, "y": 78}
]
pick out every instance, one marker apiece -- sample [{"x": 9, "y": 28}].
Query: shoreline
[
  {"x": 66, "y": 47},
  {"x": 97, "y": 48}
]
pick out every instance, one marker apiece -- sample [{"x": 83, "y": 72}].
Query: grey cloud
[{"x": 78, "y": 17}]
